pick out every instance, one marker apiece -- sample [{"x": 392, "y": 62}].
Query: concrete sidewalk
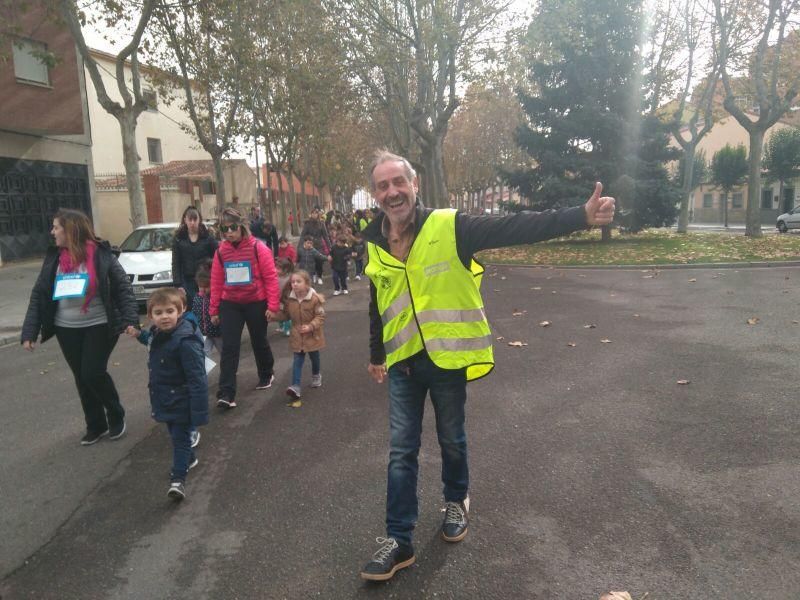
[{"x": 16, "y": 282}]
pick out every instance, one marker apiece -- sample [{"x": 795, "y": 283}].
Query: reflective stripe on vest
[{"x": 432, "y": 301}]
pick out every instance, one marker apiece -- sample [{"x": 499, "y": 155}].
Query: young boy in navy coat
[{"x": 178, "y": 382}]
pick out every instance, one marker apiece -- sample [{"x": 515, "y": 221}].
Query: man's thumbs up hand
[{"x": 599, "y": 209}]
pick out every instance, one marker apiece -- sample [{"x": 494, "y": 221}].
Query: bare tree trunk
[
  {"x": 437, "y": 171},
  {"x": 753, "y": 223},
  {"x": 283, "y": 203},
  {"x": 220, "y": 183},
  {"x": 298, "y": 218},
  {"x": 686, "y": 198},
  {"x": 130, "y": 157},
  {"x": 725, "y": 208}
]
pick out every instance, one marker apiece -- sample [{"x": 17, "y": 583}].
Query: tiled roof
[{"x": 190, "y": 169}]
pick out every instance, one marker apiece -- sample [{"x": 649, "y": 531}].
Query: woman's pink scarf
[{"x": 66, "y": 266}]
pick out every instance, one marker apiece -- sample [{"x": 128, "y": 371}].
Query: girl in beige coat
[{"x": 303, "y": 305}]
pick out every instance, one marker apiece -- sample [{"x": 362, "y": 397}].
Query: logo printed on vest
[{"x": 437, "y": 268}]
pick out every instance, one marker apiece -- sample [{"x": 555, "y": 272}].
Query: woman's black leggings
[{"x": 233, "y": 318}]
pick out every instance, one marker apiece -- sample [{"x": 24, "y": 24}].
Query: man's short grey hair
[{"x": 382, "y": 156}]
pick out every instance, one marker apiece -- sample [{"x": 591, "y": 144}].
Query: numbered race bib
[
  {"x": 238, "y": 273},
  {"x": 70, "y": 285}
]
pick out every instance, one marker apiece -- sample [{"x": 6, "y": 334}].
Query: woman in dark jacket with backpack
[
  {"x": 84, "y": 298},
  {"x": 192, "y": 246}
]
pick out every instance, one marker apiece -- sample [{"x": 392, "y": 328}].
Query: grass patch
[{"x": 650, "y": 247}]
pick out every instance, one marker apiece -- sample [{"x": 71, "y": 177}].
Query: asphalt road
[{"x": 592, "y": 468}]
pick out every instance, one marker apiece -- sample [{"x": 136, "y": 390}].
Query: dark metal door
[{"x": 31, "y": 191}]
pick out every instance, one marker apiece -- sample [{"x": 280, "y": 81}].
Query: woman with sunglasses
[
  {"x": 193, "y": 244},
  {"x": 244, "y": 289}
]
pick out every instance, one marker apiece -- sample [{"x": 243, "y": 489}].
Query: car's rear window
[{"x": 148, "y": 240}]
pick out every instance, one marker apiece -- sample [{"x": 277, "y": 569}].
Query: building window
[
  {"x": 766, "y": 199},
  {"x": 708, "y": 200},
  {"x": 151, "y": 99},
  {"x": 736, "y": 200},
  {"x": 29, "y": 67},
  {"x": 154, "y": 150}
]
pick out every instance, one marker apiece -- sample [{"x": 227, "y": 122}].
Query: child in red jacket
[{"x": 286, "y": 250}]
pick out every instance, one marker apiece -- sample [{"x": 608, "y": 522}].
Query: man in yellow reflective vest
[{"x": 429, "y": 334}]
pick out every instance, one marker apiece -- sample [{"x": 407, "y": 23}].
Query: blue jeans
[
  {"x": 359, "y": 266},
  {"x": 299, "y": 360},
  {"x": 408, "y": 386},
  {"x": 182, "y": 453}
]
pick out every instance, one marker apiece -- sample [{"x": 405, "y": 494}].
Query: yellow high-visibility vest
[{"x": 432, "y": 301}]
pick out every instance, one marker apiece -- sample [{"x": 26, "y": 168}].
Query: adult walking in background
[
  {"x": 315, "y": 227},
  {"x": 429, "y": 334},
  {"x": 264, "y": 230},
  {"x": 193, "y": 244},
  {"x": 84, "y": 298},
  {"x": 244, "y": 283}
]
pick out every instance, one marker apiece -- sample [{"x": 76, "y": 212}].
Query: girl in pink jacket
[{"x": 244, "y": 289}]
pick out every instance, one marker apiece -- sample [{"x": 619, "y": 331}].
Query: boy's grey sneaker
[
  {"x": 264, "y": 384},
  {"x": 316, "y": 380},
  {"x": 293, "y": 391},
  {"x": 117, "y": 431},
  {"x": 456, "y": 523},
  {"x": 195, "y": 438},
  {"x": 92, "y": 437},
  {"x": 390, "y": 558},
  {"x": 176, "y": 491}
]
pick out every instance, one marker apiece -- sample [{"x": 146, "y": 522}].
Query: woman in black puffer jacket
[
  {"x": 84, "y": 298},
  {"x": 193, "y": 245}
]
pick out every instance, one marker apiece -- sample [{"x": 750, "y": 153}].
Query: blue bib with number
[
  {"x": 238, "y": 273},
  {"x": 70, "y": 285}
]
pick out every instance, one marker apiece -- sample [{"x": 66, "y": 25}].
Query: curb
[
  {"x": 741, "y": 265},
  {"x": 9, "y": 339}
]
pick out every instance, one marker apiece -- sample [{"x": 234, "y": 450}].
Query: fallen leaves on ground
[
  {"x": 571, "y": 344},
  {"x": 683, "y": 382},
  {"x": 536, "y": 288},
  {"x": 590, "y": 326},
  {"x": 518, "y": 313},
  {"x": 753, "y": 321},
  {"x": 500, "y": 338},
  {"x": 605, "y": 341},
  {"x": 544, "y": 324},
  {"x": 517, "y": 344},
  {"x": 693, "y": 280}
]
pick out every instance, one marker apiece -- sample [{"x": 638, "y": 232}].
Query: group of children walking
[{"x": 181, "y": 338}]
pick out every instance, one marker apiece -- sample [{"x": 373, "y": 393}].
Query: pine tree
[{"x": 584, "y": 116}]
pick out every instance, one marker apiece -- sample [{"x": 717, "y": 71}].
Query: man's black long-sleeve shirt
[{"x": 473, "y": 234}]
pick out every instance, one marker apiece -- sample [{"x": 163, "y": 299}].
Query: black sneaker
[
  {"x": 226, "y": 402},
  {"x": 176, "y": 491},
  {"x": 455, "y": 525},
  {"x": 117, "y": 431},
  {"x": 264, "y": 384},
  {"x": 92, "y": 437},
  {"x": 390, "y": 558}
]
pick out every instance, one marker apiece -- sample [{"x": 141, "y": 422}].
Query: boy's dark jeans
[
  {"x": 87, "y": 350},
  {"x": 359, "y": 266},
  {"x": 182, "y": 453},
  {"x": 339, "y": 279},
  {"x": 232, "y": 320}
]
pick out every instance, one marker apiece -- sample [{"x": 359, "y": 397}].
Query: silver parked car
[
  {"x": 790, "y": 220},
  {"x": 146, "y": 256}
]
